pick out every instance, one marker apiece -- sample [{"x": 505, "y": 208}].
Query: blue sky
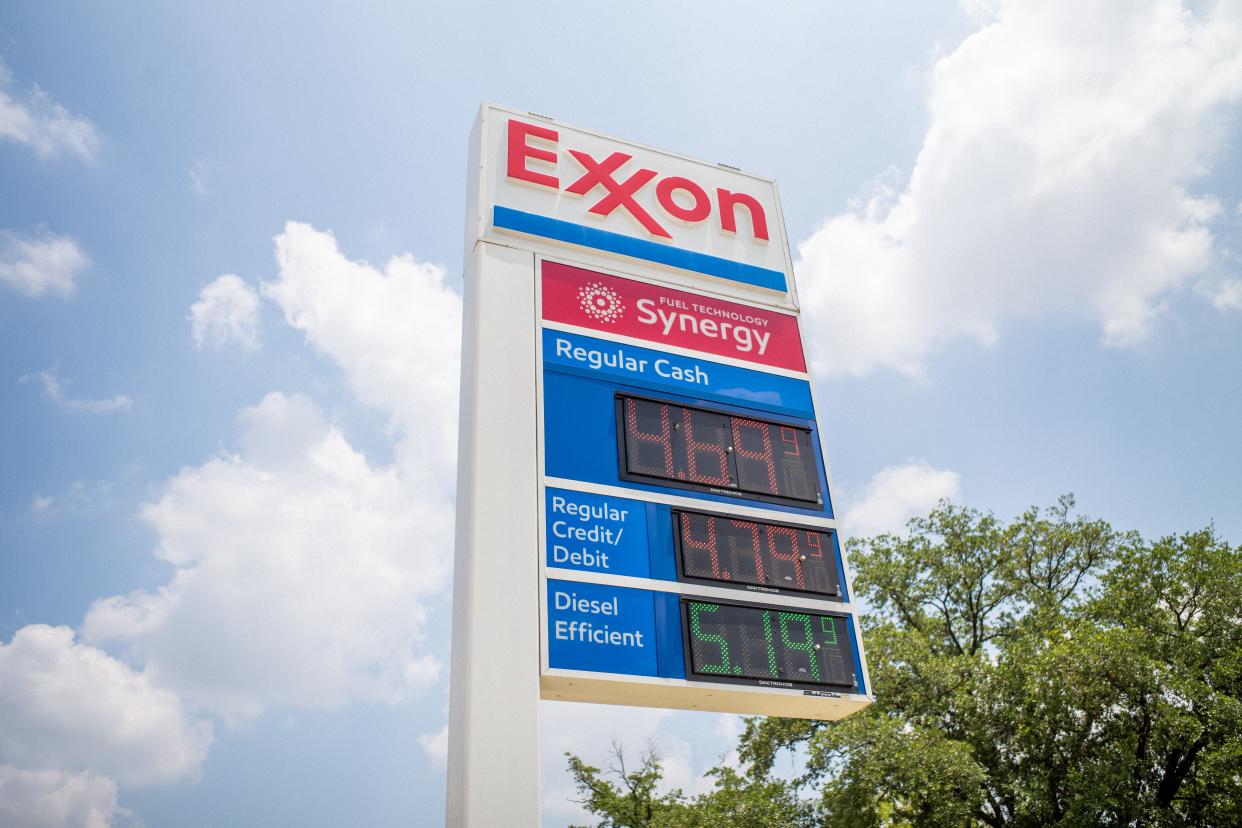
[{"x": 230, "y": 255}]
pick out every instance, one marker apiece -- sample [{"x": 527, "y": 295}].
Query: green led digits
[
  {"x": 767, "y": 634},
  {"x": 806, "y": 645},
  {"x": 830, "y": 629},
  {"x": 753, "y": 644},
  {"x": 697, "y": 629}
]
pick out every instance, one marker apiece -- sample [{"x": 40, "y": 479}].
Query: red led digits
[
  {"x": 790, "y": 438},
  {"x": 746, "y": 553},
  {"x": 794, "y": 556},
  {"x": 744, "y": 453},
  {"x": 687, "y": 447},
  {"x": 709, "y": 545},
  {"x": 756, "y": 550},
  {"x": 812, "y": 542},
  {"x": 694, "y": 446},
  {"x": 663, "y": 439},
  {"x": 798, "y": 472}
]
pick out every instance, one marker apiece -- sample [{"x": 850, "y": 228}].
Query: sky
[{"x": 230, "y": 280}]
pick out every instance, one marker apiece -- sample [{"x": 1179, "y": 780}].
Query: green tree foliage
[
  {"x": 633, "y": 802},
  {"x": 630, "y": 802},
  {"x": 1049, "y": 671}
]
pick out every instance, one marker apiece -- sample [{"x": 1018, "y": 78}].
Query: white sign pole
[{"x": 493, "y": 752}]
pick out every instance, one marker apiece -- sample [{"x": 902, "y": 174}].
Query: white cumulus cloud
[
  {"x": 227, "y": 311},
  {"x": 1056, "y": 179},
  {"x": 54, "y": 799},
  {"x": 898, "y": 493},
  {"x": 69, "y": 707},
  {"x": 39, "y": 122},
  {"x": 395, "y": 332},
  {"x": 39, "y": 263},
  {"x": 302, "y": 574}
]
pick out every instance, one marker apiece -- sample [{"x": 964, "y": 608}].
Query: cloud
[
  {"x": 54, "y": 799},
  {"x": 66, "y": 706},
  {"x": 53, "y": 390},
  {"x": 40, "y": 263},
  {"x": 897, "y": 494},
  {"x": 435, "y": 745},
  {"x": 302, "y": 574},
  {"x": 396, "y": 333},
  {"x": 1055, "y": 180},
  {"x": 37, "y": 121},
  {"x": 227, "y": 311},
  {"x": 1225, "y": 295}
]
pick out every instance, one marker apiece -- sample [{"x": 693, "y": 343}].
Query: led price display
[
  {"x": 751, "y": 645},
  {"x": 739, "y": 552},
  {"x": 698, "y": 449}
]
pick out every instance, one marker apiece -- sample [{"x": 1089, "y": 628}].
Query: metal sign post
[
  {"x": 493, "y": 767},
  {"x": 644, "y": 509}
]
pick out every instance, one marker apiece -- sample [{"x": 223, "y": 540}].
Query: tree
[
  {"x": 1051, "y": 671},
  {"x": 633, "y": 803},
  {"x": 735, "y": 801}
]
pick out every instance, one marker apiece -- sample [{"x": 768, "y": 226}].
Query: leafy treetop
[{"x": 1048, "y": 671}]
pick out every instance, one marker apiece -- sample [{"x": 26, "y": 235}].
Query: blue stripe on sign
[
  {"x": 670, "y": 659},
  {"x": 701, "y": 378},
  {"x": 858, "y": 673},
  {"x": 566, "y": 231}
]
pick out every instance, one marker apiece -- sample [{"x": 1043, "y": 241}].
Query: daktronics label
[{"x": 587, "y": 299}]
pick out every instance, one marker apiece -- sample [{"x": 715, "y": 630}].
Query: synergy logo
[
  {"x": 600, "y": 302},
  {"x": 745, "y": 329},
  {"x": 586, "y": 299}
]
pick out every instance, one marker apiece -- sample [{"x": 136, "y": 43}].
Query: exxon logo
[{"x": 534, "y": 156}]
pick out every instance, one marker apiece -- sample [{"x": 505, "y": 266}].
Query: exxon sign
[{"x": 607, "y": 199}]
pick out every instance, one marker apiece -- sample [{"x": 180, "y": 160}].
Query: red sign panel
[{"x": 665, "y": 316}]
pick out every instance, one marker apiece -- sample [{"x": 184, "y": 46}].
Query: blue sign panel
[
  {"x": 637, "y": 421},
  {"x": 581, "y": 440},
  {"x": 597, "y": 534},
  {"x": 604, "y": 629},
  {"x": 645, "y": 368}
]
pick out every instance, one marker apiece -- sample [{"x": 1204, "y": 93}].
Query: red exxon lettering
[
  {"x": 620, "y": 194},
  {"x": 729, "y": 200},
  {"x": 519, "y": 151},
  {"x": 691, "y": 215}
]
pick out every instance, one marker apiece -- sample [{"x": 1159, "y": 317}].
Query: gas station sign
[
  {"x": 644, "y": 503},
  {"x": 690, "y": 546}
]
